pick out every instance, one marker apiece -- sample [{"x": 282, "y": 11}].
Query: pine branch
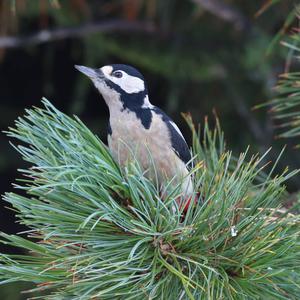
[
  {"x": 100, "y": 232},
  {"x": 285, "y": 107},
  {"x": 45, "y": 36}
]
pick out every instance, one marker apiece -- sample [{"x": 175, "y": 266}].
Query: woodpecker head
[{"x": 119, "y": 85}]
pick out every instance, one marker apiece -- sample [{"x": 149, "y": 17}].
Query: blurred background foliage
[{"x": 197, "y": 56}]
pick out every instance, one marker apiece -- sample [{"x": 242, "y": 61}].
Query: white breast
[{"x": 151, "y": 147}]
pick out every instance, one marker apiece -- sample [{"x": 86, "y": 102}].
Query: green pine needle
[
  {"x": 285, "y": 107},
  {"x": 100, "y": 232}
]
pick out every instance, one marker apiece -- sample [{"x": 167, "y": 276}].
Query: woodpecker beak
[{"x": 90, "y": 72}]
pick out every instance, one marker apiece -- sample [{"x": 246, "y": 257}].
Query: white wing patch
[
  {"x": 147, "y": 103},
  {"x": 176, "y": 128}
]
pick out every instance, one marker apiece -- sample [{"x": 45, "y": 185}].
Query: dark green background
[{"x": 193, "y": 60}]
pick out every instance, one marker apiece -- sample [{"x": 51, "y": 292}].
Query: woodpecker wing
[{"x": 179, "y": 144}]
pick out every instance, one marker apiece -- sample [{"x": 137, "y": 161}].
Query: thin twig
[
  {"x": 225, "y": 12},
  {"x": 45, "y": 36}
]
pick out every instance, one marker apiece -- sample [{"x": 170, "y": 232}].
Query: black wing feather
[{"x": 178, "y": 142}]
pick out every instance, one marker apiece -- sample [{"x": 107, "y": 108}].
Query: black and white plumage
[{"x": 139, "y": 129}]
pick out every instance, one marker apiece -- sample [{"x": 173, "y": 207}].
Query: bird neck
[{"x": 119, "y": 101}]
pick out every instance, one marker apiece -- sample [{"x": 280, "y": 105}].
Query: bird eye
[{"x": 117, "y": 74}]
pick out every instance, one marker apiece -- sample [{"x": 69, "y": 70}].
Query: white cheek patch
[{"x": 129, "y": 84}]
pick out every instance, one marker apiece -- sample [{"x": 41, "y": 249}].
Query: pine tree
[{"x": 97, "y": 231}]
